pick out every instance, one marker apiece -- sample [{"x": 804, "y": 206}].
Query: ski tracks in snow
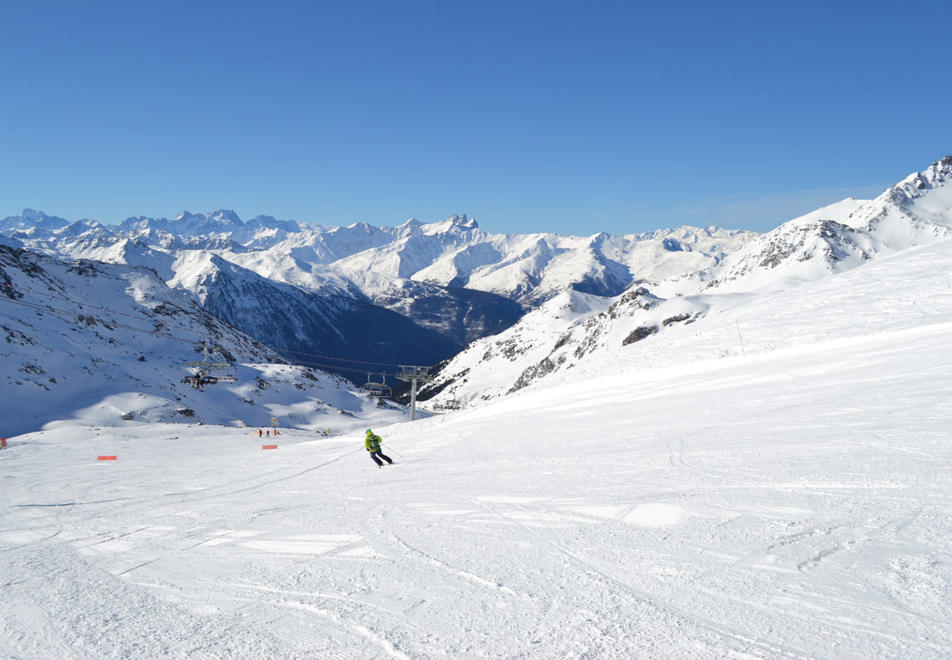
[
  {"x": 78, "y": 611},
  {"x": 660, "y": 626}
]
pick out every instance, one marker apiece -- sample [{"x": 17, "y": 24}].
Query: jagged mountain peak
[
  {"x": 85, "y": 227},
  {"x": 223, "y": 220},
  {"x": 361, "y": 226},
  {"x": 33, "y": 222},
  {"x": 39, "y": 217},
  {"x": 454, "y": 224},
  {"x": 460, "y": 222},
  {"x": 939, "y": 170},
  {"x": 845, "y": 234},
  {"x": 911, "y": 191},
  {"x": 270, "y": 222}
]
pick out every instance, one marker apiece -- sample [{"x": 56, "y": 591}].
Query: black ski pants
[{"x": 374, "y": 455}]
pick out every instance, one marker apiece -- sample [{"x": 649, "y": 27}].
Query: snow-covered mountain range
[
  {"x": 454, "y": 253},
  {"x": 412, "y": 294},
  {"x": 361, "y": 300},
  {"x": 572, "y": 328}
]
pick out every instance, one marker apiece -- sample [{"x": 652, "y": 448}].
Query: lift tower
[{"x": 413, "y": 375}]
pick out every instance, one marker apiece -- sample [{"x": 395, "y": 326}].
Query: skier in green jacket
[{"x": 372, "y": 443}]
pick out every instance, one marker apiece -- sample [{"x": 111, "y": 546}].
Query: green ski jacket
[{"x": 372, "y": 442}]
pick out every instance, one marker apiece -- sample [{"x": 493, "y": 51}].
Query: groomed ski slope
[{"x": 788, "y": 501}]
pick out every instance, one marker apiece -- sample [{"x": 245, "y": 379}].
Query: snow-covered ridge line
[{"x": 455, "y": 252}]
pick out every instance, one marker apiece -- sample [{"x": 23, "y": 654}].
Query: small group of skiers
[{"x": 372, "y": 443}]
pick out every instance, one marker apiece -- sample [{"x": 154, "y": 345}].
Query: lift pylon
[{"x": 413, "y": 375}]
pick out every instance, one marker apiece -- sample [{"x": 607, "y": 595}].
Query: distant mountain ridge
[
  {"x": 416, "y": 293},
  {"x": 454, "y": 253}
]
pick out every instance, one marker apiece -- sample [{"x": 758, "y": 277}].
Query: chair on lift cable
[
  {"x": 376, "y": 388},
  {"x": 208, "y": 372}
]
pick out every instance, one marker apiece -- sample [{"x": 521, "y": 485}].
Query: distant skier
[{"x": 372, "y": 443}]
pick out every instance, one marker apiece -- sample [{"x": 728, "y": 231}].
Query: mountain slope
[
  {"x": 916, "y": 210},
  {"x": 831, "y": 240},
  {"x": 109, "y": 342},
  {"x": 307, "y": 326}
]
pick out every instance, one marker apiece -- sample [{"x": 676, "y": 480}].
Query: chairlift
[
  {"x": 200, "y": 379},
  {"x": 377, "y": 388},
  {"x": 207, "y": 372}
]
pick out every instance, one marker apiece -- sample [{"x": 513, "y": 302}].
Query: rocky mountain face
[
  {"x": 570, "y": 329},
  {"x": 412, "y": 294}
]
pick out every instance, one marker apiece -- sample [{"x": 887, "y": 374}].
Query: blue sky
[{"x": 572, "y": 117}]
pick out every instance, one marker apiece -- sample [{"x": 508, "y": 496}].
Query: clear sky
[{"x": 571, "y": 117}]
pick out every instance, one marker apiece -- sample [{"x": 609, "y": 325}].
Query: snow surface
[{"x": 769, "y": 481}]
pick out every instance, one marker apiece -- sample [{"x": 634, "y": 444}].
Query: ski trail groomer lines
[{"x": 372, "y": 443}]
